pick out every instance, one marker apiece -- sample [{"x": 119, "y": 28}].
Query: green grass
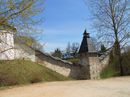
[
  {"x": 108, "y": 72},
  {"x": 18, "y": 72},
  {"x": 72, "y": 60}
]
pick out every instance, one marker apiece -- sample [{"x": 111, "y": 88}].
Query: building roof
[{"x": 87, "y": 45}]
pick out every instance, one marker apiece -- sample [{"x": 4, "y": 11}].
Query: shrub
[
  {"x": 109, "y": 71},
  {"x": 126, "y": 62},
  {"x": 113, "y": 70}
]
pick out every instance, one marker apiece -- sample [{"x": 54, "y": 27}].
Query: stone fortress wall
[
  {"x": 97, "y": 64},
  {"x": 56, "y": 64},
  {"x": 72, "y": 70},
  {"x": 24, "y": 52}
]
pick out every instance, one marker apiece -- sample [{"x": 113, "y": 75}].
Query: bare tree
[
  {"x": 68, "y": 48},
  {"x": 29, "y": 41},
  {"x": 74, "y": 49},
  {"x": 112, "y": 20},
  {"x": 57, "y": 53}
]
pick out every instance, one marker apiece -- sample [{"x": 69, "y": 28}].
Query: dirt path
[{"x": 115, "y": 87}]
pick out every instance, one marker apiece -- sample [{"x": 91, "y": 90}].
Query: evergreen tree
[
  {"x": 103, "y": 49},
  {"x": 57, "y": 53}
]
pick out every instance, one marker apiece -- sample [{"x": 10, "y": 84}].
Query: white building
[
  {"x": 6, "y": 45},
  {"x": 10, "y": 50}
]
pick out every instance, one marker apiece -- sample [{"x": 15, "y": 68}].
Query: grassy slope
[{"x": 25, "y": 72}]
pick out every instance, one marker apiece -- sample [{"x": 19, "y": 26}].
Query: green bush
[
  {"x": 113, "y": 70},
  {"x": 126, "y": 62},
  {"x": 109, "y": 71},
  {"x": 24, "y": 72}
]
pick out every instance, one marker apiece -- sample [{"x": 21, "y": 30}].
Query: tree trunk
[{"x": 117, "y": 56}]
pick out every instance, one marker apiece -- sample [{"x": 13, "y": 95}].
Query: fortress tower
[{"x": 88, "y": 58}]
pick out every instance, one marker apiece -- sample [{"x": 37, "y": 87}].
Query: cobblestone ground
[{"x": 114, "y": 87}]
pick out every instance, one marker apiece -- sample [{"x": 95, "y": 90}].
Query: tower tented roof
[{"x": 87, "y": 44}]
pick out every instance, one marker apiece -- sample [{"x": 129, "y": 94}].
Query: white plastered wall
[{"x": 6, "y": 45}]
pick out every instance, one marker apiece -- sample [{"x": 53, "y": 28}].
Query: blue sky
[{"x": 64, "y": 21}]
